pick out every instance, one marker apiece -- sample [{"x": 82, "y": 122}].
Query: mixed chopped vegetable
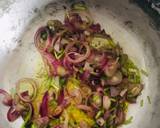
[{"x": 89, "y": 82}]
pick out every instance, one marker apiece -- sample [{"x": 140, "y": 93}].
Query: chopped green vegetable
[
  {"x": 112, "y": 117},
  {"x": 106, "y": 91},
  {"x": 80, "y": 6},
  {"x": 33, "y": 126},
  {"x": 141, "y": 103},
  {"x": 44, "y": 35},
  {"x": 149, "y": 99},
  {"x": 96, "y": 126},
  {"x": 144, "y": 72},
  {"x": 113, "y": 108},
  {"x": 102, "y": 43},
  {"x": 48, "y": 82},
  {"x": 124, "y": 106},
  {"x": 113, "y": 100},
  {"x": 62, "y": 81},
  {"x": 53, "y": 103},
  {"x": 96, "y": 98},
  {"x": 81, "y": 70},
  {"x": 54, "y": 122},
  {"x": 129, "y": 69},
  {"x": 58, "y": 55},
  {"x": 99, "y": 113},
  {"x": 27, "y": 120},
  {"x": 54, "y": 25},
  {"x": 128, "y": 121}
]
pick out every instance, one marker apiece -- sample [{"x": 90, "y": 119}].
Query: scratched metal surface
[{"x": 124, "y": 20}]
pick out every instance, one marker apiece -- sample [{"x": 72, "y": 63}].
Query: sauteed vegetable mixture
[{"x": 89, "y": 80}]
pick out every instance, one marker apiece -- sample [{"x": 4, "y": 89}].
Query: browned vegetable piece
[
  {"x": 100, "y": 121},
  {"x": 115, "y": 79},
  {"x": 120, "y": 117},
  {"x": 106, "y": 102},
  {"x": 111, "y": 68},
  {"x": 96, "y": 100},
  {"x": 134, "y": 90}
]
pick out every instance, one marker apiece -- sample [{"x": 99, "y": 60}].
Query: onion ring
[
  {"x": 80, "y": 56},
  {"x": 14, "y": 112},
  {"x": 34, "y": 87},
  {"x": 48, "y": 42}
]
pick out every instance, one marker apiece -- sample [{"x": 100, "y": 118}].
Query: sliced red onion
[
  {"x": 58, "y": 126},
  {"x": 100, "y": 90},
  {"x": 25, "y": 93},
  {"x": 61, "y": 97},
  {"x": 56, "y": 43},
  {"x": 88, "y": 109},
  {"x": 106, "y": 114},
  {"x": 69, "y": 26},
  {"x": 51, "y": 64},
  {"x": 74, "y": 22},
  {"x": 44, "y": 105},
  {"x": 67, "y": 21},
  {"x": 69, "y": 47},
  {"x": 13, "y": 114},
  {"x": 47, "y": 44},
  {"x": 78, "y": 57},
  {"x": 66, "y": 102},
  {"x": 67, "y": 65},
  {"x": 7, "y": 100},
  {"x": 120, "y": 117},
  {"x": 87, "y": 67},
  {"x": 85, "y": 16},
  {"x": 99, "y": 58},
  {"x": 19, "y": 107},
  {"x": 84, "y": 107},
  {"x": 85, "y": 75},
  {"x": 63, "y": 101},
  {"x": 114, "y": 91},
  {"x": 33, "y": 85},
  {"x": 95, "y": 28}
]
